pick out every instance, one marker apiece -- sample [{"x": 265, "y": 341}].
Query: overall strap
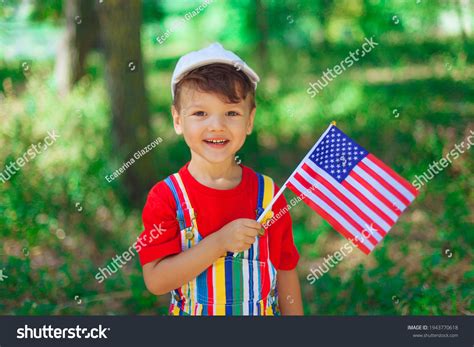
[
  {"x": 265, "y": 195},
  {"x": 264, "y": 198},
  {"x": 184, "y": 210},
  {"x": 260, "y": 195},
  {"x": 185, "y": 216}
]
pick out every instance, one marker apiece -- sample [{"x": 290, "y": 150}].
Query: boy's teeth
[{"x": 216, "y": 141}]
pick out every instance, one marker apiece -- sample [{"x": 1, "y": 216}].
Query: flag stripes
[{"x": 354, "y": 191}]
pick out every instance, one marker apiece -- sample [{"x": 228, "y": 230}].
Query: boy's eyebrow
[
  {"x": 184, "y": 109},
  {"x": 198, "y": 104},
  {"x": 203, "y": 106}
]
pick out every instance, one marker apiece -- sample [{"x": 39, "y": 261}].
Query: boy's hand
[{"x": 239, "y": 235}]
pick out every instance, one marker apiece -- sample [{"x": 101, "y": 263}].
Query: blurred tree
[
  {"x": 81, "y": 36},
  {"x": 120, "y": 22},
  {"x": 262, "y": 33},
  {"x": 87, "y": 23},
  {"x": 462, "y": 9},
  {"x": 323, "y": 15},
  {"x": 50, "y": 10}
]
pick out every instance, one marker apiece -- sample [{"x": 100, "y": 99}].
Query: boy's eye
[
  {"x": 199, "y": 113},
  {"x": 232, "y": 113}
]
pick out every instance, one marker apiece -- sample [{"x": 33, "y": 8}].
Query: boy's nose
[{"x": 216, "y": 123}]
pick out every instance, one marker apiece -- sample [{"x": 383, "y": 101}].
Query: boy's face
[{"x": 204, "y": 117}]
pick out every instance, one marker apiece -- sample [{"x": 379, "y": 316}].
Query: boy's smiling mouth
[{"x": 216, "y": 142}]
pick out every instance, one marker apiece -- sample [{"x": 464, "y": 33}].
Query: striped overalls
[{"x": 241, "y": 285}]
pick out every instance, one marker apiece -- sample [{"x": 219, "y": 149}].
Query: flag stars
[{"x": 337, "y": 157}]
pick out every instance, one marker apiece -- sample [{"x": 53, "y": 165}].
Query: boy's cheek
[{"x": 192, "y": 142}]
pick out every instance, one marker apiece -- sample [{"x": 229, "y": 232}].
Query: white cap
[{"x": 213, "y": 53}]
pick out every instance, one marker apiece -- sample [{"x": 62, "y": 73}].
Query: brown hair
[{"x": 222, "y": 79}]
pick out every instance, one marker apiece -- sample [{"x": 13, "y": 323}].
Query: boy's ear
[
  {"x": 176, "y": 120},
  {"x": 251, "y": 119}
]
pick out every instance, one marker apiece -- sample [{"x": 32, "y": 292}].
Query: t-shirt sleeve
[
  {"x": 160, "y": 236},
  {"x": 283, "y": 252}
]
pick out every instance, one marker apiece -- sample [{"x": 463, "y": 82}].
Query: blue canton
[{"x": 337, "y": 154}]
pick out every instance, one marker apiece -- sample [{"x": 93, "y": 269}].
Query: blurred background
[{"x": 98, "y": 73}]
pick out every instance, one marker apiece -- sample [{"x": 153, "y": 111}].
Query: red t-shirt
[{"x": 218, "y": 207}]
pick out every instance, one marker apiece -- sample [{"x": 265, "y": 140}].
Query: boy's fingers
[
  {"x": 249, "y": 240},
  {"x": 252, "y": 224},
  {"x": 251, "y": 232}
]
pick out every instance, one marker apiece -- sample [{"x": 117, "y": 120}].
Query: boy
[{"x": 210, "y": 252}]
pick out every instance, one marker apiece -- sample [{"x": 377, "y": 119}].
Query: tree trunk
[
  {"x": 120, "y": 33},
  {"x": 81, "y": 36}
]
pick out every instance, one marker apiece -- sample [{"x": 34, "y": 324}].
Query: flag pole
[
  {"x": 333, "y": 123},
  {"x": 282, "y": 188}
]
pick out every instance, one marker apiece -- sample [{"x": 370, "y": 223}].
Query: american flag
[{"x": 353, "y": 190}]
